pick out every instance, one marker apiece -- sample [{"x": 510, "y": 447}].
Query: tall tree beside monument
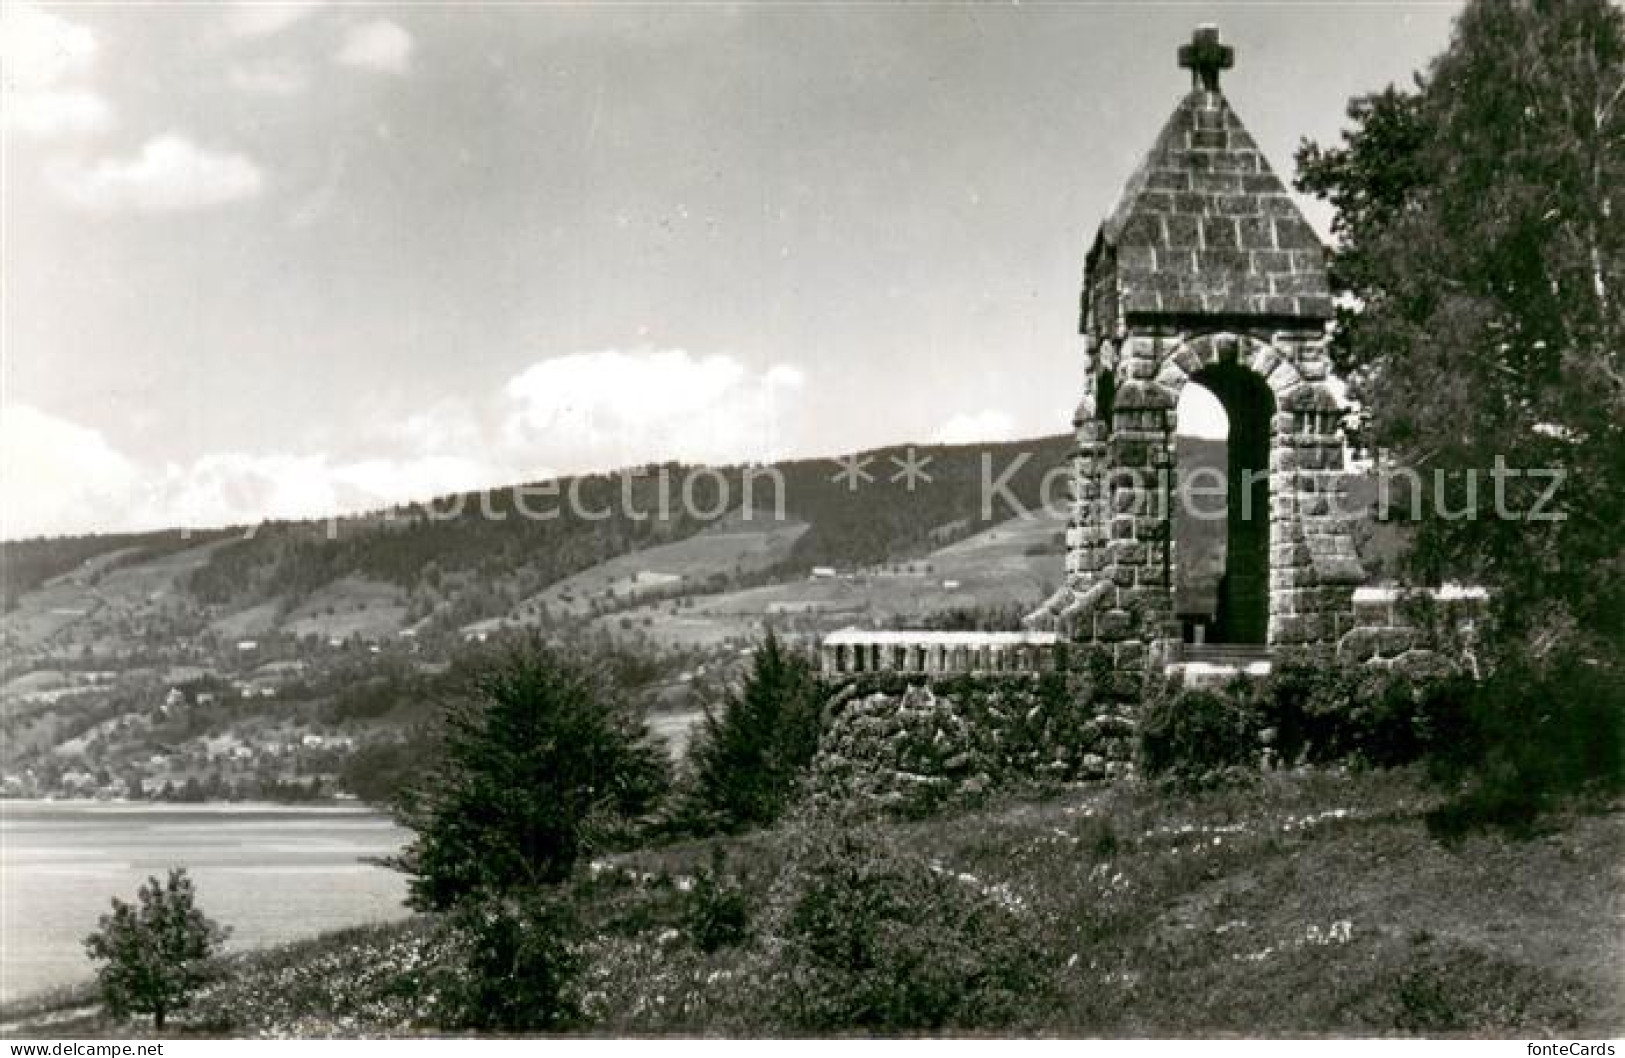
[{"x": 1481, "y": 242}]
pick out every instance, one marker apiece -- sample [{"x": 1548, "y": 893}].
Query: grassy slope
[
  {"x": 731, "y": 545},
  {"x": 1315, "y": 904},
  {"x": 1015, "y": 561},
  {"x": 105, "y": 600}
]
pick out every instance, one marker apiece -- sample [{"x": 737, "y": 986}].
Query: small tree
[
  {"x": 748, "y": 758},
  {"x": 154, "y": 949},
  {"x": 537, "y": 756}
]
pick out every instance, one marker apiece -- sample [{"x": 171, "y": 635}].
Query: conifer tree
[{"x": 751, "y": 754}]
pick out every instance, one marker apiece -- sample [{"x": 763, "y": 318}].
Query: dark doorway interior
[{"x": 1244, "y": 590}]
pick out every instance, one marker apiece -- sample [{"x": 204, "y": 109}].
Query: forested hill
[{"x": 454, "y": 550}]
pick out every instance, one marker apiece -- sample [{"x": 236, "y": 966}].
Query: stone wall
[
  {"x": 1417, "y": 630},
  {"x": 917, "y": 748}
]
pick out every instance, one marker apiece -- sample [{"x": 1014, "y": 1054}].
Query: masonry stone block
[
  {"x": 1113, "y": 625},
  {"x": 1293, "y": 554}
]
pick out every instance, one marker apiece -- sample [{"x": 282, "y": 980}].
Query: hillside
[
  {"x": 224, "y": 663},
  {"x": 1306, "y": 905},
  {"x": 208, "y": 662}
]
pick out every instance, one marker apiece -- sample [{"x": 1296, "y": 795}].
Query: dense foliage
[
  {"x": 1195, "y": 732},
  {"x": 539, "y": 758},
  {"x": 1480, "y": 244},
  {"x": 878, "y": 941},
  {"x": 154, "y": 950},
  {"x": 1508, "y": 746},
  {"x": 1536, "y": 731},
  {"x": 519, "y": 964},
  {"x": 716, "y": 913},
  {"x": 1311, "y": 709}
]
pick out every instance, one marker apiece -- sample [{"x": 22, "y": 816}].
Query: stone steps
[
  {"x": 1213, "y": 665},
  {"x": 1236, "y": 654}
]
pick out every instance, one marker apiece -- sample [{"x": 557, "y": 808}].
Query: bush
[
  {"x": 1536, "y": 731},
  {"x": 1312, "y": 709},
  {"x": 1192, "y": 733},
  {"x": 155, "y": 950},
  {"x": 716, "y": 913},
  {"x": 520, "y": 965},
  {"x": 876, "y": 941},
  {"x": 539, "y": 762},
  {"x": 1324, "y": 710}
]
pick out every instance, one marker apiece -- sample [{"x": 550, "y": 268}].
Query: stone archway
[
  {"x": 1240, "y": 599},
  {"x": 1249, "y": 379}
]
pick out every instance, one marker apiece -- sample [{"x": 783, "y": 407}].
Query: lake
[{"x": 270, "y": 872}]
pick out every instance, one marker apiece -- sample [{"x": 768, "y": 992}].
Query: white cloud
[
  {"x": 380, "y": 46},
  {"x": 989, "y": 424},
  {"x": 42, "y": 50},
  {"x": 269, "y": 79},
  {"x": 616, "y": 408},
  {"x": 589, "y": 412},
  {"x": 236, "y": 488},
  {"x": 45, "y": 59},
  {"x": 60, "y": 477},
  {"x": 73, "y": 112},
  {"x": 170, "y": 174},
  {"x": 259, "y": 19},
  {"x": 57, "y": 476}
]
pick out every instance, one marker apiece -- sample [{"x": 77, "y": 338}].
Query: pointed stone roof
[{"x": 1205, "y": 227}]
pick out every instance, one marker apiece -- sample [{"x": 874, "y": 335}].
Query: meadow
[{"x": 1310, "y": 903}]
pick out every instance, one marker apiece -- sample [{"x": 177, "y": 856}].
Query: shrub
[
  {"x": 154, "y": 949},
  {"x": 519, "y": 962},
  {"x": 539, "y": 761},
  {"x": 877, "y": 941},
  {"x": 1324, "y": 710},
  {"x": 716, "y": 913},
  {"x": 1535, "y": 731},
  {"x": 749, "y": 758},
  {"x": 1192, "y": 733}
]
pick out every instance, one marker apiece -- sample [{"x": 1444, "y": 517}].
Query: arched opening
[{"x": 1222, "y": 517}]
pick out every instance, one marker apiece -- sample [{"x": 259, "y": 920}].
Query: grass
[
  {"x": 1012, "y": 562},
  {"x": 1299, "y": 905}
]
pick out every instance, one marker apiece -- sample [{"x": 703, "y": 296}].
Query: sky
[{"x": 294, "y": 259}]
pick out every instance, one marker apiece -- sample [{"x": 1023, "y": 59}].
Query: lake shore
[
  {"x": 272, "y": 872},
  {"x": 1301, "y": 905}
]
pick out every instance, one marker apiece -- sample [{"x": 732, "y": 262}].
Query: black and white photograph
[{"x": 576, "y": 520}]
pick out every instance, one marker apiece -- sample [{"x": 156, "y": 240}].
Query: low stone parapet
[
  {"x": 1412, "y": 627},
  {"x": 856, "y": 651}
]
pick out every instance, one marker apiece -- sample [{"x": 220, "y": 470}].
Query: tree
[
  {"x": 748, "y": 757},
  {"x": 539, "y": 756},
  {"x": 155, "y": 949},
  {"x": 1478, "y": 237},
  {"x": 1479, "y": 243}
]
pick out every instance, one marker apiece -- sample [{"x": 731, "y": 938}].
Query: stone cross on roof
[{"x": 1204, "y": 57}]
